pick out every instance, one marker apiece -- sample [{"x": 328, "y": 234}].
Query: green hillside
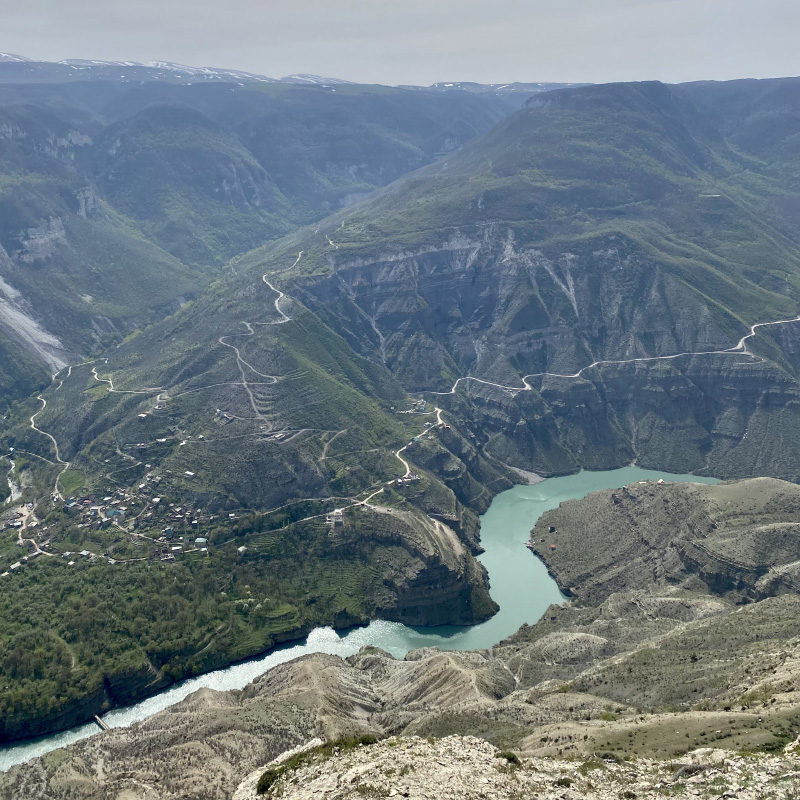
[
  {"x": 121, "y": 200},
  {"x": 191, "y": 187},
  {"x": 602, "y": 223}
]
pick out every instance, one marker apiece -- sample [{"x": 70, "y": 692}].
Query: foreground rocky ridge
[
  {"x": 208, "y": 745},
  {"x": 464, "y": 767}
]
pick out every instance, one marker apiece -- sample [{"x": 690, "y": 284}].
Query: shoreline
[{"x": 342, "y": 641}]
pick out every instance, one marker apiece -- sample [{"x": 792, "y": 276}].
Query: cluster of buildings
[
  {"x": 175, "y": 518},
  {"x": 14, "y": 520},
  {"x": 417, "y": 407},
  {"x": 122, "y": 506},
  {"x": 71, "y": 557},
  {"x": 95, "y": 514},
  {"x": 406, "y": 480},
  {"x": 128, "y": 509},
  {"x": 169, "y": 545},
  {"x": 19, "y": 519},
  {"x": 335, "y": 518},
  {"x": 427, "y": 433}
]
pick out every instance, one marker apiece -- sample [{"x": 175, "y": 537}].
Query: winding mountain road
[
  {"x": 739, "y": 348},
  {"x": 65, "y": 464},
  {"x": 241, "y": 363},
  {"x": 111, "y": 387},
  {"x": 61, "y": 380},
  {"x": 26, "y": 514},
  {"x": 403, "y": 461}
]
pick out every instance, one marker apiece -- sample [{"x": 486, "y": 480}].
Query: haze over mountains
[
  {"x": 122, "y": 199},
  {"x": 19, "y": 69},
  {"x": 279, "y": 299}
]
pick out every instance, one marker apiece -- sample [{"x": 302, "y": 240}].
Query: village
[
  {"x": 126, "y": 525},
  {"x": 140, "y": 523}
]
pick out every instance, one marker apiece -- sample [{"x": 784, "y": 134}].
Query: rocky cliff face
[
  {"x": 436, "y": 581},
  {"x": 19, "y": 322},
  {"x": 481, "y": 303},
  {"x": 738, "y": 539},
  {"x": 487, "y": 307}
]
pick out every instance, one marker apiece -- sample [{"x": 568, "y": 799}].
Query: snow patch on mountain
[{"x": 318, "y": 80}]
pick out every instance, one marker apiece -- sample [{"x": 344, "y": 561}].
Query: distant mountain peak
[
  {"x": 169, "y": 66},
  {"x": 513, "y": 86},
  {"x": 319, "y": 80},
  {"x": 159, "y": 70},
  {"x": 212, "y": 72},
  {"x": 88, "y": 62}
]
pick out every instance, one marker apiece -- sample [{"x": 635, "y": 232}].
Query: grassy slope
[
  {"x": 189, "y": 185},
  {"x": 632, "y": 160}
]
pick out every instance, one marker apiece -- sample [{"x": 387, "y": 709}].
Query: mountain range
[
  {"x": 122, "y": 200},
  {"x": 607, "y": 275},
  {"x": 19, "y": 69}
]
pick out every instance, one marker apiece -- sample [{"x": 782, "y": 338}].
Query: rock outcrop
[
  {"x": 18, "y": 321},
  {"x": 41, "y": 241},
  {"x": 740, "y": 539},
  {"x": 464, "y": 767}
]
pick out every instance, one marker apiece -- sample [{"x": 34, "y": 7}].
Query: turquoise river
[{"x": 519, "y": 584}]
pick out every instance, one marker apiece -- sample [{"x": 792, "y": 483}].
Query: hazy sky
[{"x": 422, "y": 41}]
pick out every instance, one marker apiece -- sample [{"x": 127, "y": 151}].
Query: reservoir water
[{"x": 519, "y": 584}]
